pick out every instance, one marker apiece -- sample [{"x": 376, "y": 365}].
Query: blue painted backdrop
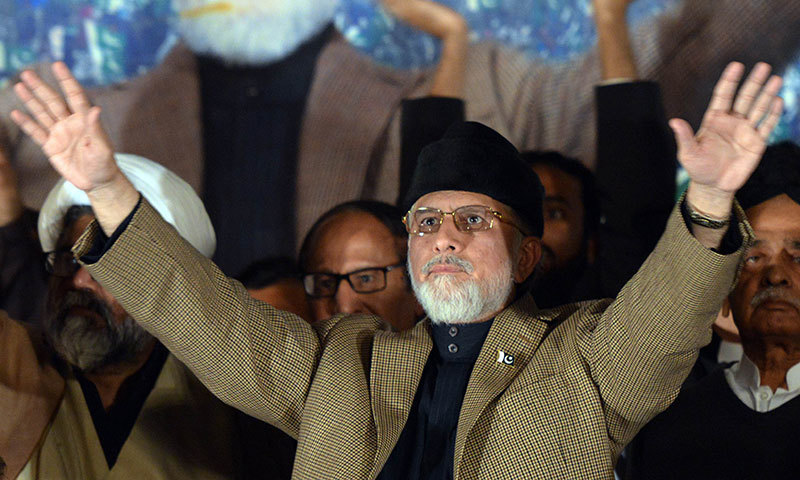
[{"x": 106, "y": 41}]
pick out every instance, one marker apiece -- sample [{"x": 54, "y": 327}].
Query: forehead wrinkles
[{"x": 776, "y": 238}]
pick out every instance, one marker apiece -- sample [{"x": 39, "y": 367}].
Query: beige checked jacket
[{"x": 585, "y": 377}]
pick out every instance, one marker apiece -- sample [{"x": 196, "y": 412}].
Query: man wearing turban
[{"x": 93, "y": 395}]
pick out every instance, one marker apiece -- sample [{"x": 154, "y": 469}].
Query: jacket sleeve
[
  {"x": 645, "y": 343},
  {"x": 23, "y": 280},
  {"x": 422, "y": 122},
  {"x": 636, "y": 165},
  {"x": 30, "y": 392},
  {"x": 250, "y": 355}
]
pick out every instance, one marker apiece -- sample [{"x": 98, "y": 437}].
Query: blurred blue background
[{"x": 106, "y": 41}]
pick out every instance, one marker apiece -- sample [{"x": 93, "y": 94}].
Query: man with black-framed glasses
[{"x": 353, "y": 260}]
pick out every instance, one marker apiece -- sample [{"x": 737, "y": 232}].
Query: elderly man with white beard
[
  {"x": 269, "y": 105},
  {"x": 93, "y": 395},
  {"x": 488, "y": 385}
]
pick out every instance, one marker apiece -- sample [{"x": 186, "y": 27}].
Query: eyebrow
[{"x": 792, "y": 243}]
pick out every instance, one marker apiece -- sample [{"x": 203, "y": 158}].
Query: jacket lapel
[
  {"x": 509, "y": 346},
  {"x": 397, "y": 364}
]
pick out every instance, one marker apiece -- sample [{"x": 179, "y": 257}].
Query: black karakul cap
[
  {"x": 777, "y": 173},
  {"x": 472, "y": 157}
]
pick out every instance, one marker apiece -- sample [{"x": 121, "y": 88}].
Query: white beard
[
  {"x": 251, "y": 32},
  {"x": 447, "y": 300}
]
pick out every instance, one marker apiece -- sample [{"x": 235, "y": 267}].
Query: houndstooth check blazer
[{"x": 584, "y": 377}]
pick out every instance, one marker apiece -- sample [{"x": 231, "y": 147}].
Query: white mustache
[
  {"x": 774, "y": 293},
  {"x": 464, "y": 265}
]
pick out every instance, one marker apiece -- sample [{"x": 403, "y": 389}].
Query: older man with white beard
[
  {"x": 499, "y": 389},
  {"x": 94, "y": 395},
  {"x": 270, "y": 106}
]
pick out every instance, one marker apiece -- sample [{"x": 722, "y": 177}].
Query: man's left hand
[{"x": 731, "y": 139}]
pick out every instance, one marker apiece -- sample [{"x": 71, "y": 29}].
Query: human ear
[{"x": 528, "y": 255}]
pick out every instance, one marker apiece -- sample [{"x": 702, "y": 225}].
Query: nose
[
  {"x": 776, "y": 274},
  {"x": 84, "y": 281},
  {"x": 448, "y": 239},
  {"x": 348, "y": 300}
]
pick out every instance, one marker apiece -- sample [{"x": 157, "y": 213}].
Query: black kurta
[
  {"x": 427, "y": 444},
  {"x": 252, "y": 116}
]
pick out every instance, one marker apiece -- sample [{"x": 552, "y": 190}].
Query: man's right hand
[
  {"x": 448, "y": 26},
  {"x": 69, "y": 131},
  {"x": 67, "y": 128},
  {"x": 10, "y": 201}
]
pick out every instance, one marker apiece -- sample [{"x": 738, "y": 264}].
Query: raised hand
[
  {"x": 428, "y": 16},
  {"x": 611, "y": 7},
  {"x": 731, "y": 138},
  {"x": 447, "y": 25},
  {"x": 69, "y": 131},
  {"x": 67, "y": 128},
  {"x": 10, "y": 201},
  {"x": 617, "y": 60}
]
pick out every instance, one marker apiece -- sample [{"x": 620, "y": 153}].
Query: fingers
[
  {"x": 772, "y": 118},
  {"x": 765, "y": 99},
  {"x": 45, "y": 95},
  {"x": 725, "y": 89},
  {"x": 34, "y": 106},
  {"x": 30, "y": 127},
  {"x": 684, "y": 136},
  {"x": 73, "y": 92},
  {"x": 95, "y": 129},
  {"x": 751, "y": 88}
]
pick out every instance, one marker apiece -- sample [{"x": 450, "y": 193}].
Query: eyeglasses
[
  {"x": 470, "y": 218},
  {"x": 364, "y": 280},
  {"x": 61, "y": 263}
]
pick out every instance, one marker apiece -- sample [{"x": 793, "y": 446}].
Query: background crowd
[{"x": 290, "y": 162}]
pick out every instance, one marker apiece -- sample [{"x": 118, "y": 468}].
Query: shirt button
[
  {"x": 452, "y": 348},
  {"x": 453, "y": 331},
  {"x": 764, "y": 395}
]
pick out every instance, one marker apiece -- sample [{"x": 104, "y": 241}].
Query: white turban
[{"x": 173, "y": 198}]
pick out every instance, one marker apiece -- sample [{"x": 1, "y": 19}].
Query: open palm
[
  {"x": 67, "y": 128},
  {"x": 734, "y": 131}
]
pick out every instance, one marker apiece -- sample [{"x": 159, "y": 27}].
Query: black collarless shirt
[
  {"x": 114, "y": 426},
  {"x": 426, "y": 447},
  {"x": 252, "y": 116}
]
